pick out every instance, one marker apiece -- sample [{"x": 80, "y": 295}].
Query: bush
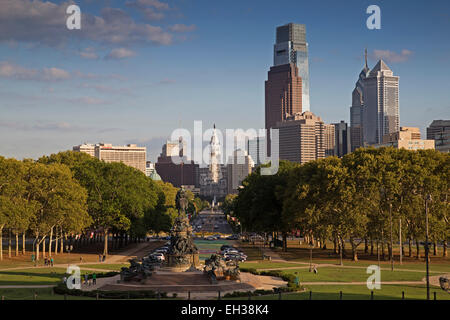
[{"x": 288, "y": 277}]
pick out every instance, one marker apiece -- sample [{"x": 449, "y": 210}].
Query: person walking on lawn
[{"x": 94, "y": 279}]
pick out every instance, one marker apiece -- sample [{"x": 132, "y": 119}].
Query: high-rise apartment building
[
  {"x": 357, "y": 108},
  {"x": 329, "y": 139},
  {"x": 381, "y": 104},
  {"x": 131, "y": 154},
  {"x": 291, "y": 47},
  {"x": 439, "y": 131},
  {"x": 342, "y": 139},
  {"x": 301, "y": 138}
]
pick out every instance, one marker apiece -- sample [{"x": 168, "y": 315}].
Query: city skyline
[{"x": 88, "y": 89}]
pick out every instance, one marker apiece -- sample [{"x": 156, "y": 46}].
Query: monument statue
[
  {"x": 139, "y": 271},
  {"x": 183, "y": 252},
  {"x": 217, "y": 268}
]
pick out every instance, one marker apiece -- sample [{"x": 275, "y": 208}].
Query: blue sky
[{"x": 139, "y": 69}]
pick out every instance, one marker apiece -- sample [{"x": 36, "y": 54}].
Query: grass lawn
[
  {"x": 34, "y": 276},
  {"x": 332, "y": 274},
  {"x": 357, "y": 292},
  {"x": 106, "y": 267},
  {"x": 267, "y": 265}
]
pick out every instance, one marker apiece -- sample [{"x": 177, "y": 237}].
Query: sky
[{"x": 139, "y": 69}]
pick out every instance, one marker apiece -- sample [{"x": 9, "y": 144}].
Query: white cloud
[
  {"x": 391, "y": 56},
  {"x": 182, "y": 28},
  {"x": 120, "y": 53},
  {"x": 44, "y": 23},
  {"x": 89, "y": 53},
  {"x": 14, "y": 71}
]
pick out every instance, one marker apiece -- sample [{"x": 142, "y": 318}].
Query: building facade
[
  {"x": 257, "y": 150},
  {"x": 301, "y": 138},
  {"x": 131, "y": 154},
  {"x": 406, "y": 138},
  {"x": 357, "y": 109},
  {"x": 342, "y": 144},
  {"x": 238, "y": 168},
  {"x": 439, "y": 131},
  {"x": 381, "y": 104},
  {"x": 329, "y": 139},
  {"x": 291, "y": 47}
]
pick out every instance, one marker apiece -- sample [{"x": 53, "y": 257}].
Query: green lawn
[
  {"x": 106, "y": 267},
  {"x": 34, "y": 276},
  {"x": 357, "y": 292},
  {"x": 352, "y": 275},
  {"x": 267, "y": 265}
]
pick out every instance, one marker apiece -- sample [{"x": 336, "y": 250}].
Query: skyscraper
[
  {"x": 381, "y": 105},
  {"x": 439, "y": 131},
  {"x": 329, "y": 139},
  {"x": 291, "y": 47},
  {"x": 283, "y": 90},
  {"x": 238, "y": 168},
  {"x": 342, "y": 139},
  {"x": 357, "y": 108},
  {"x": 256, "y": 149}
]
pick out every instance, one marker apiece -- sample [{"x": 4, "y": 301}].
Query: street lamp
[
  {"x": 310, "y": 255},
  {"x": 428, "y": 198},
  {"x": 392, "y": 245}
]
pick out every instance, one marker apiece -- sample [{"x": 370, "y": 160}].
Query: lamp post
[{"x": 428, "y": 198}]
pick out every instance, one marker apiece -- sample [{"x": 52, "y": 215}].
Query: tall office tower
[
  {"x": 342, "y": 139},
  {"x": 439, "y": 131},
  {"x": 131, "y": 155},
  {"x": 283, "y": 90},
  {"x": 238, "y": 168},
  {"x": 291, "y": 47},
  {"x": 256, "y": 149},
  {"x": 175, "y": 148},
  {"x": 302, "y": 138},
  {"x": 381, "y": 105},
  {"x": 329, "y": 139},
  {"x": 356, "y": 110}
]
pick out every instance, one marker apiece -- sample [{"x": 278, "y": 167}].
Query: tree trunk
[
  {"x": 354, "y": 252},
  {"x": 50, "y": 242},
  {"x": 43, "y": 248},
  {"x": 444, "y": 253},
  {"x": 417, "y": 249},
  {"x": 37, "y": 250},
  {"x": 284, "y": 242},
  {"x": 9, "y": 243},
  {"x": 409, "y": 247},
  {"x": 371, "y": 247},
  {"x": 24, "y": 243},
  {"x": 382, "y": 249},
  {"x": 61, "y": 247},
  {"x": 17, "y": 243},
  {"x": 1, "y": 243},
  {"x": 434, "y": 248},
  {"x": 366, "y": 246},
  {"x": 335, "y": 251},
  {"x": 56, "y": 242},
  {"x": 105, "y": 248}
]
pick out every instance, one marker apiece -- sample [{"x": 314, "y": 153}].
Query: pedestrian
[
  {"x": 86, "y": 277},
  {"x": 315, "y": 269},
  {"x": 81, "y": 259},
  {"x": 99, "y": 258},
  {"x": 94, "y": 279},
  {"x": 64, "y": 279},
  {"x": 32, "y": 257},
  {"x": 104, "y": 257},
  {"x": 52, "y": 261},
  {"x": 89, "y": 281}
]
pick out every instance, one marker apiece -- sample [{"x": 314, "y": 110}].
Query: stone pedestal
[{"x": 174, "y": 265}]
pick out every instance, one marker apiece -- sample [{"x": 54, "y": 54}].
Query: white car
[{"x": 159, "y": 256}]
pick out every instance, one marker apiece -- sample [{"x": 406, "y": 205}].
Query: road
[{"x": 211, "y": 221}]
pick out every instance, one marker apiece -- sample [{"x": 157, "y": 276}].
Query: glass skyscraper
[{"x": 291, "y": 47}]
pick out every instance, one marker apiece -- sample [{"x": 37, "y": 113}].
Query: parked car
[{"x": 158, "y": 255}]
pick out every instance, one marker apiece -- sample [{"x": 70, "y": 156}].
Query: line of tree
[
  {"x": 72, "y": 193},
  {"x": 356, "y": 198}
]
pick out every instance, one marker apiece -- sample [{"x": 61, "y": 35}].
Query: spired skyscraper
[
  {"x": 375, "y": 106},
  {"x": 357, "y": 108},
  {"x": 381, "y": 105},
  {"x": 291, "y": 47}
]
